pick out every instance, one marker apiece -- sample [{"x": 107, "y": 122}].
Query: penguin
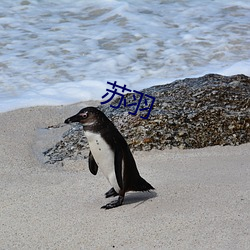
[{"x": 110, "y": 152}]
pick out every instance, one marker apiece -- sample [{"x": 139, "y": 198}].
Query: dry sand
[{"x": 201, "y": 201}]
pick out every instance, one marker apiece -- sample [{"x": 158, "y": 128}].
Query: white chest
[{"x": 104, "y": 157}]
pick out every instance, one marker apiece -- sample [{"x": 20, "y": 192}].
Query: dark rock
[{"x": 190, "y": 113}]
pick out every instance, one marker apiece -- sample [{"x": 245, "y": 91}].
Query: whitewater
[{"x": 62, "y": 52}]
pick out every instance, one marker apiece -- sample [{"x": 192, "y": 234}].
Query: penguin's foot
[
  {"x": 113, "y": 204},
  {"x": 111, "y": 193}
]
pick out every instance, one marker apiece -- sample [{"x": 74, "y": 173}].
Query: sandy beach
[{"x": 201, "y": 198}]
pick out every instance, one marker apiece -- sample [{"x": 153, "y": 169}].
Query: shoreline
[{"x": 201, "y": 198}]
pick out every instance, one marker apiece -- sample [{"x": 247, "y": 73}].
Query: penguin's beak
[{"x": 74, "y": 118}]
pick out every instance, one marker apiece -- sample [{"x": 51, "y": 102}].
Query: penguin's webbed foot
[
  {"x": 111, "y": 193},
  {"x": 113, "y": 204}
]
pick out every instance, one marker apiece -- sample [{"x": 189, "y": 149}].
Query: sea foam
[{"x": 63, "y": 52}]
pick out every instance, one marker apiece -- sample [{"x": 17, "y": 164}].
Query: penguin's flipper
[
  {"x": 111, "y": 193},
  {"x": 118, "y": 166},
  {"x": 93, "y": 167}
]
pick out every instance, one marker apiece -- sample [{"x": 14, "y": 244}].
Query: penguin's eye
[{"x": 84, "y": 115}]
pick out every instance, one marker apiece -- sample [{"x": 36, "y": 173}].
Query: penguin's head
[{"x": 88, "y": 117}]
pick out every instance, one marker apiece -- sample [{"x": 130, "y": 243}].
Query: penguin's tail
[{"x": 141, "y": 185}]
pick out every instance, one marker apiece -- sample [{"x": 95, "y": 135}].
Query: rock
[{"x": 190, "y": 113}]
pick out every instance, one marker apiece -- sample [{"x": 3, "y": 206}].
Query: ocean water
[{"x": 61, "y": 52}]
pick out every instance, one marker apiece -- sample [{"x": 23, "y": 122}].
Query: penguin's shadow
[{"x": 137, "y": 198}]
